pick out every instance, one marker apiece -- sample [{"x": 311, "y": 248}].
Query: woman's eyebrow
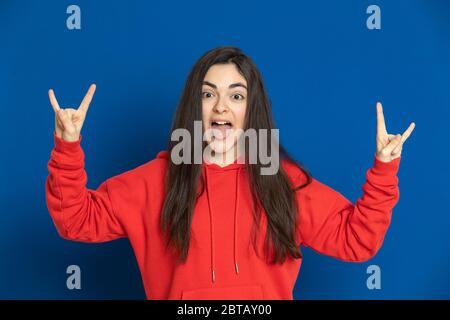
[{"x": 233, "y": 85}]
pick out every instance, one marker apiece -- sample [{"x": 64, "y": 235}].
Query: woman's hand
[
  {"x": 389, "y": 146},
  {"x": 68, "y": 121}
]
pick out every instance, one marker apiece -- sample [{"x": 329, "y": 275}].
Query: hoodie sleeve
[
  {"x": 79, "y": 214},
  {"x": 332, "y": 225}
]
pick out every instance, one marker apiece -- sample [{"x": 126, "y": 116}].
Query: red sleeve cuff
[
  {"x": 386, "y": 168},
  {"x": 66, "y": 146}
]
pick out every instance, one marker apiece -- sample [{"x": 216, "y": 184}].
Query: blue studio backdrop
[{"x": 324, "y": 70}]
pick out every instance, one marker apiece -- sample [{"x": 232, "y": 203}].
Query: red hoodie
[{"x": 221, "y": 263}]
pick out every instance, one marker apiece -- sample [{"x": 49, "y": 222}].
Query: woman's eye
[
  {"x": 238, "y": 96},
  {"x": 207, "y": 94}
]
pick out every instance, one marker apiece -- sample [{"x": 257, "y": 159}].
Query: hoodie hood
[{"x": 213, "y": 171}]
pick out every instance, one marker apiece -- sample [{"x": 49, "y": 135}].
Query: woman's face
[{"x": 224, "y": 102}]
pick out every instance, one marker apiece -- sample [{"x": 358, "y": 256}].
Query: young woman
[{"x": 220, "y": 229}]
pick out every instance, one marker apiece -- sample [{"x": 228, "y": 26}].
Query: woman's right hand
[{"x": 69, "y": 121}]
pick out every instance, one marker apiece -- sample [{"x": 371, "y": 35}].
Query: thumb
[{"x": 392, "y": 145}]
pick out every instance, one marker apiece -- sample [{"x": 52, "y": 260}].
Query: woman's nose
[{"x": 220, "y": 107}]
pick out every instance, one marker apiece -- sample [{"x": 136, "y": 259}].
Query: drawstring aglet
[
  {"x": 237, "y": 268},
  {"x": 213, "y": 276}
]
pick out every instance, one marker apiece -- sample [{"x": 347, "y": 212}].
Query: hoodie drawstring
[
  {"x": 235, "y": 221},
  {"x": 211, "y": 219},
  {"x": 211, "y": 228}
]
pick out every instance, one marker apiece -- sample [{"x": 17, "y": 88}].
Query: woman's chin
[{"x": 221, "y": 148}]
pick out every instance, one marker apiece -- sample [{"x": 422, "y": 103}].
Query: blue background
[{"x": 324, "y": 71}]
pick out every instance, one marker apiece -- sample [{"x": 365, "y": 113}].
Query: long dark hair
[{"x": 272, "y": 195}]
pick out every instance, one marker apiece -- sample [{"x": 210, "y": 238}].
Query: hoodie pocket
[{"x": 253, "y": 292}]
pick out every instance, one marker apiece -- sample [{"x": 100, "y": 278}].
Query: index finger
[
  {"x": 84, "y": 106},
  {"x": 381, "y": 125},
  {"x": 53, "y": 100}
]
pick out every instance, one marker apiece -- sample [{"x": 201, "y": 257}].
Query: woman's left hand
[{"x": 389, "y": 146}]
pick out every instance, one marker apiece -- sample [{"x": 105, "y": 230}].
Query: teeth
[{"x": 221, "y": 122}]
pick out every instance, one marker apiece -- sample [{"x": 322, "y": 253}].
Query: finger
[
  {"x": 408, "y": 131},
  {"x": 381, "y": 142},
  {"x": 58, "y": 121},
  {"x": 392, "y": 145},
  {"x": 84, "y": 106},
  {"x": 53, "y": 100},
  {"x": 391, "y": 137},
  {"x": 381, "y": 125},
  {"x": 398, "y": 148},
  {"x": 405, "y": 136},
  {"x": 66, "y": 121}
]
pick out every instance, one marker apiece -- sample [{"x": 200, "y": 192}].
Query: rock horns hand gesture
[
  {"x": 389, "y": 146},
  {"x": 69, "y": 121}
]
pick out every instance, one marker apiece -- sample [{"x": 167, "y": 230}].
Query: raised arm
[
  {"x": 332, "y": 225},
  {"x": 79, "y": 214}
]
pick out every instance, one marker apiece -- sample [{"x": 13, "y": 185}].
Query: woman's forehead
[{"x": 223, "y": 75}]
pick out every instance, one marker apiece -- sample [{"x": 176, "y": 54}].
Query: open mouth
[
  {"x": 221, "y": 129},
  {"x": 221, "y": 124}
]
